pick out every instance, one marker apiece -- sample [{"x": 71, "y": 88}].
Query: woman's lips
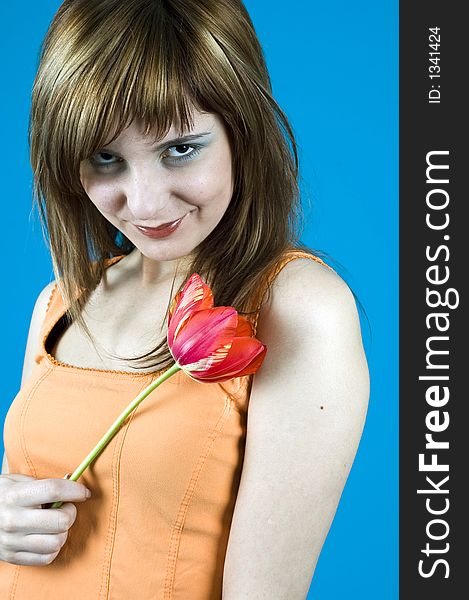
[{"x": 162, "y": 230}]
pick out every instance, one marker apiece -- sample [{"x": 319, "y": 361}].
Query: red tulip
[{"x": 210, "y": 344}]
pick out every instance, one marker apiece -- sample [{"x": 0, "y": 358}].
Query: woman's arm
[
  {"x": 306, "y": 415},
  {"x": 32, "y": 343}
]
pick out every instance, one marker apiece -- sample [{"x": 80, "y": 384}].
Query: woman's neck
[{"x": 150, "y": 273}]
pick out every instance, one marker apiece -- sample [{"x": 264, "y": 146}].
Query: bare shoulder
[
  {"x": 312, "y": 319},
  {"x": 313, "y": 272},
  {"x": 44, "y": 296},
  {"x": 41, "y": 305},
  {"x": 321, "y": 299},
  {"x": 312, "y": 332},
  {"x": 37, "y": 320}
]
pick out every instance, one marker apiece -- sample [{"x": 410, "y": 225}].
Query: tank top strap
[
  {"x": 53, "y": 311},
  {"x": 289, "y": 255}
]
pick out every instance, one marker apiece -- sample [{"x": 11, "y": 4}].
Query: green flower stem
[{"x": 103, "y": 442}]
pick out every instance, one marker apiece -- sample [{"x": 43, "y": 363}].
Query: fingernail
[{"x": 88, "y": 493}]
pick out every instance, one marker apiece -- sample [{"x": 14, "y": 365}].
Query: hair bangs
[{"x": 133, "y": 71}]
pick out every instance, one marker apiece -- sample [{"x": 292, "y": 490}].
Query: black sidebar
[{"x": 434, "y": 269}]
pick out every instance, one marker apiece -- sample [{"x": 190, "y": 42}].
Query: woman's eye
[
  {"x": 181, "y": 152},
  {"x": 104, "y": 159}
]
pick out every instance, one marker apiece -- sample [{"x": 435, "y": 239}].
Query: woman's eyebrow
[
  {"x": 185, "y": 138},
  {"x": 174, "y": 142}
]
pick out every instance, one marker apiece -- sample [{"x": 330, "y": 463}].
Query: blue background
[{"x": 334, "y": 72}]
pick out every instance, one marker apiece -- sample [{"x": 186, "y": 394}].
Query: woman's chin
[{"x": 169, "y": 253}]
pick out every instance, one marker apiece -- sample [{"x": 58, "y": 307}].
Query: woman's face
[{"x": 135, "y": 182}]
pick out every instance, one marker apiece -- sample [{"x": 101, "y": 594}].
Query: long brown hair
[{"x": 104, "y": 63}]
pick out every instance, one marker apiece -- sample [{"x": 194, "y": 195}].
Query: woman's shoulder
[
  {"x": 43, "y": 302},
  {"x": 36, "y": 326},
  {"x": 311, "y": 328},
  {"x": 304, "y": 280}
]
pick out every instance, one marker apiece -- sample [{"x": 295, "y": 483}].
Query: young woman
[{"x": 158, "y": 151}]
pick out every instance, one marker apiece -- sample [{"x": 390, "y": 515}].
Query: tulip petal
[
  {"x": 244, "y": 328},
  {"x": 244, "y": 357},
  {"x": 206, "y": 335},
  {"x": 195, "y": 296}
]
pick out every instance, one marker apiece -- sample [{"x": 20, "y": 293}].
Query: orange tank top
[{"x": 163, "y": 491}]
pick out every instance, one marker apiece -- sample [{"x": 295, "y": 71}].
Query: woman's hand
[{"x": 30, "y": 535}]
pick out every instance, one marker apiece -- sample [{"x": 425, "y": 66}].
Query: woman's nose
[{"x": 148, "y": 193}]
